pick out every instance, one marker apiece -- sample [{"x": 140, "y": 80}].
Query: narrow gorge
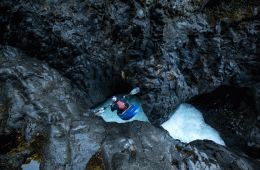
[{"x": 60, "y": 59}]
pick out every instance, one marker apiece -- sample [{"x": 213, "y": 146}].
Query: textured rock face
[
  {"x": 234, "y": 115},
  {"x": 146, "y": 147},
  {"x": 214, "y": 152},
  {"x": 67, "y": 37},
  {"x": 172, "y": 50},
  {"x": 40, "y": 103}
]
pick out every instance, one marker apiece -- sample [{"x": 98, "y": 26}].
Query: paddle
[{"x": 101, "y": 110}]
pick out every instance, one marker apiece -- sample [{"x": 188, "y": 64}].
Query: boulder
[
  {"x": 139, "y": 145},
  {"x": 39, "y": 101}
]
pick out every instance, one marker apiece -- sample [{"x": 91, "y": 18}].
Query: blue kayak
[{"x": 130, "y": 112}]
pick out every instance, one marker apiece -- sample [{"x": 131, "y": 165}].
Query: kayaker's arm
[
  {"x": 114, "y": 107},
  {"x": 125, "y": 98}
]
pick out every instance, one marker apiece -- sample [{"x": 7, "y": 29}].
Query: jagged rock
[
  {"x": 225, "y": 158},
  {"x": 233, "y": 115},
  {"x": 72, "y": 149},
  {"x": 172, "y": 50},
  {"x": 139, "y": 145},
  {"x": 136, "y": 145},
  {"x": 41, "y": 102}
]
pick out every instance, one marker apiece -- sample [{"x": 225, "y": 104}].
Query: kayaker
[{"x": 119, "y": 105}]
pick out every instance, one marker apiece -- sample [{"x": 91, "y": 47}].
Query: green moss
[
  {"x": 2, "y": 108},
  {"x": 28, "y": 161},
  {"x": 45, "y": 5},
  {"x": 188, "y": 152},
  {"x": 172, "y": 76},
  {"x": 173, "y": 162},
  {"x": 178, "y": 147},
  {"x": 233, "y": 10},
  {"x": 95, "y": 162},
  {"x": 35, "y": 146},
  {"x": 18, "y": 144}
]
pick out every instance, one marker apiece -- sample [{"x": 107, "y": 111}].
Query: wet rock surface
[
  {"x": 172, "y": 50},
  {"x": 139, "y": 145},
  {"x": 42, "y": 103},
  {"x": 89, "y": 50},
  {"x": 224, "y": 157},
  {"x": 234, "y": 113}
]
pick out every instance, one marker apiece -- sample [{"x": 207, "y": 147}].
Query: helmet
[{"x": 114, "y": 98}]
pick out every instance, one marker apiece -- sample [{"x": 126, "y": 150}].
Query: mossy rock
[
  {"x": 95, "y": 162},
  {"x": 229, "y": 11}
]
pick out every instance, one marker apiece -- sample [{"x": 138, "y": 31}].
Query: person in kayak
[{"x": 119, "y": 105}]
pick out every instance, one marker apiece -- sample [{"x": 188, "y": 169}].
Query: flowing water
[
  {"x": 186, "y": 123},
  {"x": 110, "y": 116}
]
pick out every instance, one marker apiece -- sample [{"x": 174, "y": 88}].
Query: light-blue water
[
  {"x": 110, "y": 116},
  {"x": 32, "y": 166},
  {"x": 186, "y": 124}
]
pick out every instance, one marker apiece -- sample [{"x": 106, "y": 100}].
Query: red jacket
[{"x": 119, "y": 105}]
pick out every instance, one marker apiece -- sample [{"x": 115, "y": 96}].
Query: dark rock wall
[
  {"x": 144, "y": 147},
  {"x": 234, "y": 115},
  {"x": 39, "y": 101},
  {"x": 45, "y": 119},
  {"x": 69, "y": 37},
  {"x": 172, "y": 50}
]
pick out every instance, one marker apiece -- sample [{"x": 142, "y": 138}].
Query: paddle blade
[
  {"x": 99, "y": 111},
  {"x": 135, "y": 90}
]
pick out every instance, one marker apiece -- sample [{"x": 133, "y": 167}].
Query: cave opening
[
  {"x": 116, "y": 87},
  {"x": 223, "y": 95},
  {"x": 121, "y": 87},
  {"x": 232, "y": 112}
]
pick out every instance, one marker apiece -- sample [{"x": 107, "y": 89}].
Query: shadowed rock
[
  {"x": 170, "y": 49},
  {"x": 41, "y": 102},
  {"x": 234, "y": 115},
  {"x": 139, "y": 145}
]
